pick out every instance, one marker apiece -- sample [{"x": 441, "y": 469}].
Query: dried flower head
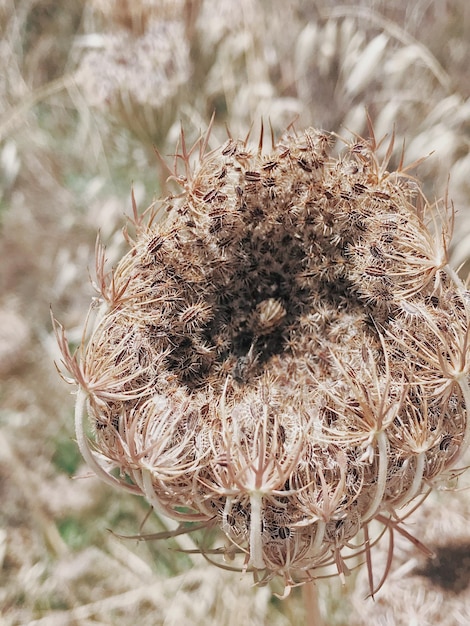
[
  {"x": 137, "y": 75},
  {"x": 284, "y": 355}
]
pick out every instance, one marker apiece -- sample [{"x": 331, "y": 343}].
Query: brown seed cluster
[{"x": 285, "y": 355}]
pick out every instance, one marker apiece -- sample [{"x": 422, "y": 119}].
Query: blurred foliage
[{"x": 66, "y": 456}]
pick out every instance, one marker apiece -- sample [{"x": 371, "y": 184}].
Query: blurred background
[{"x": 88, "y": 89}]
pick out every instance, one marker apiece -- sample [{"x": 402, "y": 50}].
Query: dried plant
[
  {"x": 65, "y": 172},
  {"x": 284, "y": 356},
  {"x": 138, "y": 68}
]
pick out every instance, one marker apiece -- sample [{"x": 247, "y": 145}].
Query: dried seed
[
  {"x": 304, "y": 165},
  {"x": 269, "y": 165},
  {"x": 210, "y": 196},
  {"x": 269, "y": 314},
  {"x": 374, "y": 271},
  {"x": 230, "y": 148},
  {"x": 252, "y": 176},
  {"x": 155, "y": 244}
]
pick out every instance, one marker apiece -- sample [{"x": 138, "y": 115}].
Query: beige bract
[{"x": 282, "y": 353}]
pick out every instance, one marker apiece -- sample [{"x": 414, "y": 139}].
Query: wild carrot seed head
[{"x": 285, "y": 355}]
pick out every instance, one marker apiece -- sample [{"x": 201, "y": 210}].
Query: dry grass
[{"x": 68, "y": 159}]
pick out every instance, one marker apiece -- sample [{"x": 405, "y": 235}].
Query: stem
[
  {"x": 452, "y": 274},
  {"x": 312, "y": 609},
  {"x": 84, "y": 446},
  {"x": 381, "y": 477},
  {"x": 256, "y": 541},
  {"x": 463, "y": 384},
  {"x": 415, "y": 486},
  {"x": 319, "y": 535}
]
